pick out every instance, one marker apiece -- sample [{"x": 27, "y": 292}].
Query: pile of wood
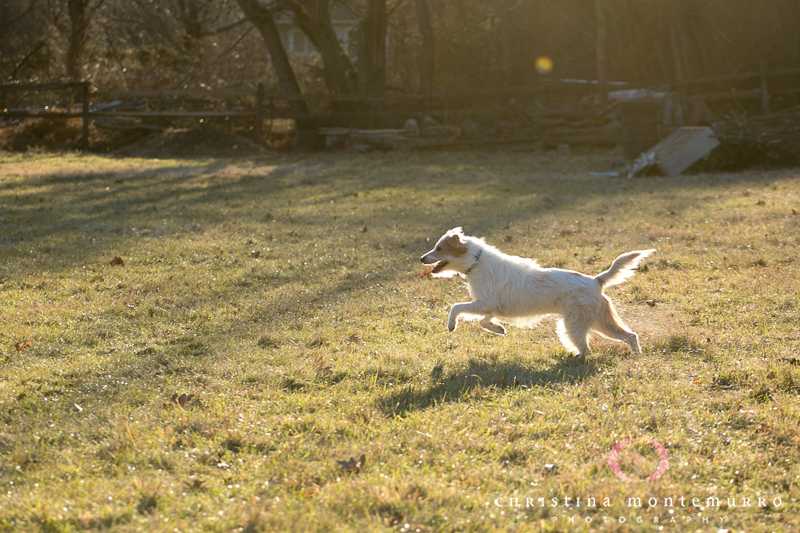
[
  {"x": 390, "y": 139},
  {"x": 767, "y": 141}
]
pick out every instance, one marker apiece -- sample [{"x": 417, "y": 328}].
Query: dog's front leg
[{"x": 473, "y": 308}]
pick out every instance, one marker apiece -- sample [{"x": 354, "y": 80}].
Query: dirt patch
[
  {"x": 42, "y": 134},
  {"x": 65, "y": 135},
  {"x": 190, "y": 143}
]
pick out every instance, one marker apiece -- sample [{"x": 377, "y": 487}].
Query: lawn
[{"x": 214, "y": 345}]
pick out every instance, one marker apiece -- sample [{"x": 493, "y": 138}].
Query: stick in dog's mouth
[{"x": 438, "y": 267}]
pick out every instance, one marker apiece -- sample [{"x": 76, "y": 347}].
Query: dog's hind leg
[
  {"x": 488, "y": 323},
  {"x": 610, "y": 325},
  {"x": 574, "y": 335}
]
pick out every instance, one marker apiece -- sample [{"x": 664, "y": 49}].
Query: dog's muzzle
[{"x": 437, "y": 267}]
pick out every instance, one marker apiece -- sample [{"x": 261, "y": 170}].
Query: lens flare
[{"x": 544, "y": 65}]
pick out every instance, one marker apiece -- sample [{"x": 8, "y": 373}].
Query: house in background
[{"x": 296, "y": 43}]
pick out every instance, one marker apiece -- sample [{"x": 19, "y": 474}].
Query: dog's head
[{"x": 450, "y": 255}]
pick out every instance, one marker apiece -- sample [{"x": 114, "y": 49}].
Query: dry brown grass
[{"x": 284, "y": 295}]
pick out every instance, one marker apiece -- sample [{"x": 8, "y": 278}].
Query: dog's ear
[{"x": 456, "y": 239}]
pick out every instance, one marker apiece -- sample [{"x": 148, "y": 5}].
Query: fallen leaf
[
  {"x": 325, "y": 370},
  {"x": 22, "y": 345},
  {"x": 86, "y": 521},
  {"x": 771, "y": 375},
  {"x": 194, "y": 482},
  {"x": 364, "y": 229},
  {"x": 393, "y": 521},
  {"x": 353, "y": 339},
  {"x": 118, "y": 261},
  {"x": 255, "y": 254},
  {"x": 761, "y": 202},
  {"x": 352, "y": 465},
  {"x": 795, "y": 212},
  {"x": 651, "y": 303},
  {"x": 426, "y": 273},
  {"x": 791, "y": 360},
  {"x": 509, "y": 238}
]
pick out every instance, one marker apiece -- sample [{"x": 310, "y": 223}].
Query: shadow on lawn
[{"x": 479, "y": 377}]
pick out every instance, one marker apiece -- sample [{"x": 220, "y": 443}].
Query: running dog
[{"x": 520, "y": 292}]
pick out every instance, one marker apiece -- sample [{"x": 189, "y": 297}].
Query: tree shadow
[{"x": 479, "y": 376}]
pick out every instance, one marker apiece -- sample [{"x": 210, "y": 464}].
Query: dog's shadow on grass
[{"x": 477, "y": 378}]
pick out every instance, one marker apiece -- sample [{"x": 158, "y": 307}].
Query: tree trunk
[
  {"x": 77, "y": 38},
  {"x": 372, "y": 49},
  {"x": 313, "y": 17},
  {"x": 262, "y": 19},
  {"x": 426, "y": 55},
  {"x": 600, "y": 50}
]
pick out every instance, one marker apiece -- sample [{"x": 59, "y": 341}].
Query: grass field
[{"x": 281, "y": 301}]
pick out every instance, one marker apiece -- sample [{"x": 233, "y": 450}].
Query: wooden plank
[
  {"x": 683, "y": 148},
  {"x": 175, "y": 114},
  {"x": 123, "y": 95},
  {"x": 40, "y": 86},
  {"x": 39, "y": 114},
  {"x": 85, "y": 115}
]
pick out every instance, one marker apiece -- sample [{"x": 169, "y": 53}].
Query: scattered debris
[
  {"x": 641, "y": 163},
  {"x": 549, "y": 469},
  {"x": 353, "y": 466},
  {"x": 20, "y": 346},
  {"x": 117, "y": 261},
  {"x": 767, "y": 141},
  {"x": 182, "y": 399}
]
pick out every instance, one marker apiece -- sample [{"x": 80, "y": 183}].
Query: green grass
[{"x": 285, "y": 295}]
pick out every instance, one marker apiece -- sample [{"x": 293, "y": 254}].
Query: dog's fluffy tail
[{"x": 622, "y": 268}]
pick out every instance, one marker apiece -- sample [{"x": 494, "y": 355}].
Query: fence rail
[{"x": 343, "y": 108}]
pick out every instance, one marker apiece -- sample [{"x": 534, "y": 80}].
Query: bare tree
[
  {"x": 427, "y": 52},
  {"x": 262, "y": 18},
  {"x": 313, "y": 18},
  {"x": 80, "y": 14}
]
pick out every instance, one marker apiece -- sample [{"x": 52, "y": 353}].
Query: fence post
[
  {"x": 85, "y": 113},
  {"x": 259, "y": 105},
  {"x": 762, "y": 66},
  {"x": 423, "y": 123}
]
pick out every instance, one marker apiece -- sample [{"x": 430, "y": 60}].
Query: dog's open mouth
[{"x": 438, "y": 267}]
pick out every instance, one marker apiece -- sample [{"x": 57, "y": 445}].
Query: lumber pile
[{"x": 771, "y": 140}]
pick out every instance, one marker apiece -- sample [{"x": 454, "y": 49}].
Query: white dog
[{"x": 519, "y": 291}]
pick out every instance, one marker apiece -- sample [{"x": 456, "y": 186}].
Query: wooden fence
[{"x": 343, "y": 109}]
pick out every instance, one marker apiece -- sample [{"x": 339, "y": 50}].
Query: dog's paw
[
  {"x": 492, "y": 327},
  {"x": 451, "y": 327},
  {"x": 495, "y": 328}
]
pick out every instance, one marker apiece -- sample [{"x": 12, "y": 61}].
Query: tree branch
[{"x": 9, "y": 24}]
